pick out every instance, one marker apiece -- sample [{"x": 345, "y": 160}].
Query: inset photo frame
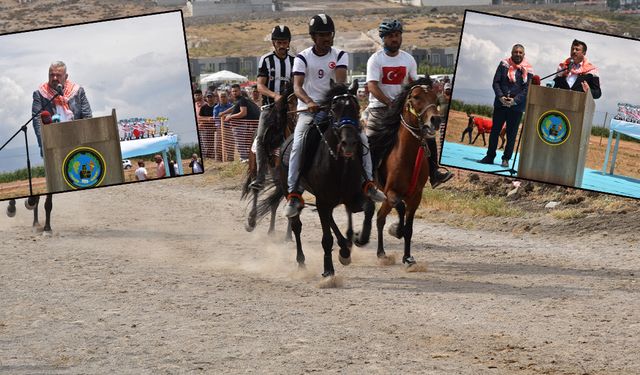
[
  {"x": 563, "y": 103},
  {"x": 96, "y": 104}
]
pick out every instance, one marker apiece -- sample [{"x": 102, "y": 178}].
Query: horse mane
[
  {"x": 338, "y": 89},
  {"x": 385, "y": 135}
]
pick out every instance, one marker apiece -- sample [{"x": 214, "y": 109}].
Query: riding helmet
[
  {"x": 321, "y": 23},
  {"x": 387, "y": 27},
  {"x": 281, "y": 32}
]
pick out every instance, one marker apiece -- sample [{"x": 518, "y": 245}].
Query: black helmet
[
  {"x": 321, "y": 23},
  {"x": 387, "y": 27},
  {"x": 281, "y": 32}
]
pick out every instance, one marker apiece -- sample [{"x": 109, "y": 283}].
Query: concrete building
[
  {"x": 232, "y": 7},
  {"x": 444, "y": 3}
]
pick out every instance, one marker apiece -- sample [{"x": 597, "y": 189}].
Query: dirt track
[{"x": 162, "y": 278}]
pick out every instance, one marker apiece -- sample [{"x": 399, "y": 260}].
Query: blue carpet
[{"x": 467, "y": 156}]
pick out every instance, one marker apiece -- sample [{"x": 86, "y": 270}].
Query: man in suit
[
  {"x": 576, "y": 73},
  {"x": 72, "y": 104},
  {"x": 511, "y": 85}
]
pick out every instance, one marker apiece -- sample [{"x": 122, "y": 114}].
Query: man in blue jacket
[{"x": 510, "y": 84}]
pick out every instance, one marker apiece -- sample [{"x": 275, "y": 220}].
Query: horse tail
[
  {"x": 272, "y": 200},
  {"x": 252, "y": 171},
  {"x": 245, "y": 185}
]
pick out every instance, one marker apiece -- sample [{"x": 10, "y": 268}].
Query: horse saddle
[{"x": 310, "y": 142}]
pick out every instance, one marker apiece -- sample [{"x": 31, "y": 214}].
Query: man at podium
[
  {"x": 577, "y": 73},
  {"x": 71, "y": 104},
  {"x": 510, "y": 84}
]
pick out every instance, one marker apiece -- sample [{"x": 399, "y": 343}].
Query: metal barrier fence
[{"x": 227, "y": 141}]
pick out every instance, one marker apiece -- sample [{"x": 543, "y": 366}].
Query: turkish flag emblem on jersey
[{"x": 393, "y": 75}]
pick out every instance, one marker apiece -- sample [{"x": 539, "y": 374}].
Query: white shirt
[
  {"x": 318, "y": 72},
  {"x": 391, "y": 72},
  {"x": 141, "y": 173},
  {"x": 571, "y": 78}
]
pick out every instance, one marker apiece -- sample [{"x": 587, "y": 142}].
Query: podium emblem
[
  {"x": 554, "y": 128},
  {"x": 83, "y": 167}
]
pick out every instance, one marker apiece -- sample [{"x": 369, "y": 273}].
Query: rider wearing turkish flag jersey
[{"x": 391, "y": 72}]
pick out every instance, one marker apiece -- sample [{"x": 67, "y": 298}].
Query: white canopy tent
[
  {"x": 154, "y": 145},
  {"x": 222, "y": 76}
]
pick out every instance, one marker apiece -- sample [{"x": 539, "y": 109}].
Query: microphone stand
[{"x": 24, "y": 128}]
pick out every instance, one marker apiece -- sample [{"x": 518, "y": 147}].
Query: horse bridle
[
  {"x": 420, "y": 132},
  {"x": 338, "y": 124}
]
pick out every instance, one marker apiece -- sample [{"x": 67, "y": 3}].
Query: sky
[
  {"x": 487, "y": 39},
  {"x": 136, "y": 65}
]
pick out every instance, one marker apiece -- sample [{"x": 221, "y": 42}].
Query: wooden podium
[
  {"x": 555, "y": 136},
  {"x": 82, "y": 154}
]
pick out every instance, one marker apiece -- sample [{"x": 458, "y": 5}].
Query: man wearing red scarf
[
  {"x": 577, "y": 73},
  {"x": 511, "y": 85},
  {"x": 71, "y": 105}
]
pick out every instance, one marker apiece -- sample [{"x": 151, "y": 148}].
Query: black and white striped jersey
[{"x": 277, "y": 71}]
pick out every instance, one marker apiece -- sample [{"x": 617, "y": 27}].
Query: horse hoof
[
  {"x": 11, "y": 211},
  {"x": 395, "y": 231},
  {"x": 408, "y": 261},
  {"x": 358, "y": 242},
  {"x": 248, "y": 227},
  {"x": 344, "y": 261},
  {"x": 47, "y": 233},
  {"x": 328, "y": 273},
  {"x": 386, "y": 260}
]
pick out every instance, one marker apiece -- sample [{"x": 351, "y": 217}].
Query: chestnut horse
[{"x": 401, "y": 146}]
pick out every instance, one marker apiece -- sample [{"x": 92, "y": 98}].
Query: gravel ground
[{"x": 161, "y": 277}]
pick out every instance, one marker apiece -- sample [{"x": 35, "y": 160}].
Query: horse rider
[
  {"x": 387, "y": 70},
  {"x": 274, "y": 72},
  {"x": 313, "y": 70}
]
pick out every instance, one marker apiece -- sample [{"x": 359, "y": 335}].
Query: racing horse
[
  {"x": 400, "y": 153},
  {"x": 31, "y": 203},
  {"x": 332, "y": 171},
  {"x": 281, "y": 122}
]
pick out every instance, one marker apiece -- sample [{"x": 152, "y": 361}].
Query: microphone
[
  {"x": 45, "y": 116},
  {"x": 561, "y": 70},
  {"x": 59, "y": 89}
]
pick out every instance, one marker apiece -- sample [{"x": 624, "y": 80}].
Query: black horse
[
  {"x": 332, "y": 171},
  {"x": 281, "y": 122},
  {"x": 31, "y": 203}
]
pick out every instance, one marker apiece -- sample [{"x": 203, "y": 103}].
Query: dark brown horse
[
  {"x": 332, "y": 171},
  {"x": 281, "y": 122},
  {"x": 31, "y": 203},
  {"x": 401, "y": 146}
]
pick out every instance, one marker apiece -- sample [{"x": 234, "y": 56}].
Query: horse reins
[{"x": 422, "y": 139}]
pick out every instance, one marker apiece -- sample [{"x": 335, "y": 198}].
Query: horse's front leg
[
  {"x": 296, "y": 227},
  {"x": 363, "y": 237},
  {"x": 11, "y": 208},
  {"x": 380, "y": 222},
  {"x": 48, "y": 206},
  {"x": 344, "y": 243},
  {"x": 397, "y": 229},
  {"x": 408, "y": 231},
  {"x": 32, "y": 204},
  {"x": 327, "y": 238}
]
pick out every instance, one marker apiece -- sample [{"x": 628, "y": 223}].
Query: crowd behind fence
[{"x": 228, "y": 140}]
